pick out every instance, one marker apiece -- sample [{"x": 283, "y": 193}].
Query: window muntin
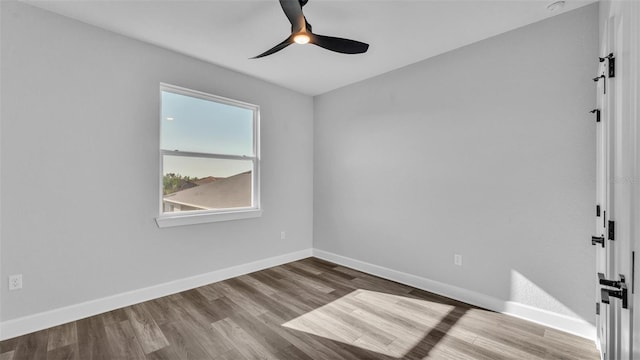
[{"x": 208, "y": 154}]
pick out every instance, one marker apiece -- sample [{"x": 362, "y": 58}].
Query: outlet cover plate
[{"x": 15, "y": 282}]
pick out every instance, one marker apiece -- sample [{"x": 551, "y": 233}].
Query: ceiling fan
[{"x": 301, "y": 33}]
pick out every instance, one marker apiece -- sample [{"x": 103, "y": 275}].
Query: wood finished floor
[{"x": 308, "y": 309}]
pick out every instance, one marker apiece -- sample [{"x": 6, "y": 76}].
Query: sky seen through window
[{"x": 204, "y": 126}]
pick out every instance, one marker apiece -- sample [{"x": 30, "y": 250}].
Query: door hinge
[
  {"x": 598, "y": 210},
  {"x": 604, "y": 83},
  {"x": 611, "y": 229},
  {"x": 597, "y": 308},
  {"x": 611, "y": 64},
  {"x": 597, "y": 240},
  {"x": 597, "y": 112}
]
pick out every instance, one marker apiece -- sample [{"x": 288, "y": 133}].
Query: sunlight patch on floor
[{"x": 387, "y": 324}]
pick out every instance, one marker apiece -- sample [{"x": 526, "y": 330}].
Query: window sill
[{"x": 192, "y": 219}]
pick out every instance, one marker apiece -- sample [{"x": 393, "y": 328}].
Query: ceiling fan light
[{"x": 301, "y": 38}]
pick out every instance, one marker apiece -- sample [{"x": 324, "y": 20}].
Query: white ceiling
[{"x": 228, "y": 33}]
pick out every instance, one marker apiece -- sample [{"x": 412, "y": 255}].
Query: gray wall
[
  {"x": 486, "y": 151},
  {"x": 79, "y": 165}
]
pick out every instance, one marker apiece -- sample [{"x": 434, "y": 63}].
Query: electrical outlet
[
  {"x": 457, "y": 259},
  {"x": 15, "y": 282},
  {"x": 283, "y": 235}
]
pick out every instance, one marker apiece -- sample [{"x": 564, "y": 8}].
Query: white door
[
  {"x": 621, "y": 36},
  {"x": 599, "y": 239},
  {"x": 633, "y": 41},
  {"x": 622, "y": 181},
  {"x": 616, "y": 172}
]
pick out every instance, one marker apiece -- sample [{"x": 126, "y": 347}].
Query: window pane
[
  {"x": 191, "y": 183},
  {"x": 196, "y": 125}
]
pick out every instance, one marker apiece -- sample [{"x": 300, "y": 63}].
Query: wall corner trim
[
  {"x": 561, "y": 322},
  {"x": 27, "y": 324}
]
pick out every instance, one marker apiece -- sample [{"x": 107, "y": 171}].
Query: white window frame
[{"x": 169, "y": 219}]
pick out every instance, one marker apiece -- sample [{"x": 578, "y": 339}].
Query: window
[{"x": 209, "y": 163}]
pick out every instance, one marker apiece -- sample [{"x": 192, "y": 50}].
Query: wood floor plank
[
  {"x": 307, "y": 295},
  {"x": 450, "y": 349},
  {"x": 197, "y": 326},
  {"x": 361, "y": 353},
  {"x": 264, "y": 335},
  {"x": 308, "y": 309},
  {"x": 166, "y": 353},
  {"x": 209, "y": 292},
  {"x": 67, "y": 352},
  {"x": 9, "y": 345},
  {"x": 302, "y": 281},
  {"x": 309, "y": 344},
  {"x": 319, "y": 263},
  {"x": 92, "y": 339},
  {"x": 375, "y": 284},
  {"x": 559, "y": 345},
  {"x": 160, "y": 309},
  {"x": 290, "y": 297},
  {"x": 62, "y": 335},
  {"x": 306, "y": 267},
  {"x": 257, "y": 284},
  {"x": 202, "y": 311},
  {"x": 369, "y": 330},
  {"x": 184, "y": 345},
  {"x": 329, "y": 280},
  {"x": 240, "y": 299},
  {"x": 32, "y": 346},
  {"x": 144, "y": 326},
  {"x": 504, "y": 350},
  {"x": 123, "y": 341},
  {"x": 114, "y": 317},
  {"x": 564, "y": 339},
  {"x": 244, "y": 343},
  {"x": 268, "y": 301},
  {"x": 231, "y": 355},
  {"x": 292, "y": 353}
]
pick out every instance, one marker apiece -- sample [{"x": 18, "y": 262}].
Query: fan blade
[
  {"x": 340, "y": 45},
  {"x": 288, "y": 41},
  {"x": 293, "y": 10}
]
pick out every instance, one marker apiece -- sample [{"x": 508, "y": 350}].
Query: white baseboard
[
  {"x": 35, "y": 322},
  {"x": 43, "y": 320},
  {"x": 561, "y": 322}
]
